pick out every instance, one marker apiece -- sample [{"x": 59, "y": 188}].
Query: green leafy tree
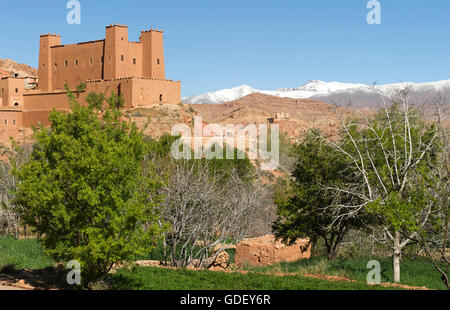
[
  {"x": 433, "y": 238},
  {"x": 302, "y": 210},
  {"x": 393, "y": 154},
  {"x": 87, "y": 190}
]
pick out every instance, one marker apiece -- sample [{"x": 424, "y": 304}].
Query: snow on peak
[
  {"x": 314, "y": 88},
  {"x": 221, "y": 96}
]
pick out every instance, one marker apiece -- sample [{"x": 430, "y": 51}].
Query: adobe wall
[
  {"x": 76, "y": 63},
  {"x": 112, "y": 58},
  {"x": 122, "y": 86},
  {"x": 266, "y": 250},
  {"x": 10, "y": 120},
  {"x": 148, "y": 91},
  {"x": 41, "y": 100},
  {"x": 11, "y": 92},
  {"x": 122, "y": 58},
  {"x": 153, "y": 54},
  {"x": 45, "y": 69},
  {"x": 34, "y": 118},
  {"x": 138, "y": 92}
]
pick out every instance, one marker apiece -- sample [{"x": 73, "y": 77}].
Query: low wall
[{"x": 266, "y": 250}]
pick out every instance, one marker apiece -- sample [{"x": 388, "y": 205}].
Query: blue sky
[{"x": 212, "y": 45}]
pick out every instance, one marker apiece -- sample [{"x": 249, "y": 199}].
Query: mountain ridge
[{"x": 360, "y": 95}]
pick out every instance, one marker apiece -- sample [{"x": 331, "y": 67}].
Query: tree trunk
[{"x": 396, "y": 257}]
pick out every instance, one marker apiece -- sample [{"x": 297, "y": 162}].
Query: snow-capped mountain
[
  {"x": 360, "y": 95},
  {"x": 221, "y": 96}
]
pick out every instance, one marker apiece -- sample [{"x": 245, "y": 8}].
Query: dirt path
[{"x": 10, "y": 288}]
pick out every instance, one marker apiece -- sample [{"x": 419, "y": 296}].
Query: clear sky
[{"x": 211, "y": 44}]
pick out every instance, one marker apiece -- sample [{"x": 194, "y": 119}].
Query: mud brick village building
[{"x": 134, "y": 70}]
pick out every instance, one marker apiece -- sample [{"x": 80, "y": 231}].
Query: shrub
[{"x": 86, "y": 190}]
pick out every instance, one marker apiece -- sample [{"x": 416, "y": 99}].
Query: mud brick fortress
[{"x": 134, "y": 70}]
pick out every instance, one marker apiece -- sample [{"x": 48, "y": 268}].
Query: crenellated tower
[
  {"x": 45, "y": 70},
  {"x": 116, "y": 49},
  {"x": 153, "y": 54}
]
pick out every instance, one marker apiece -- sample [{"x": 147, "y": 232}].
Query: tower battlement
[
  {"x": 50, "y": 35},
  {"x": 111, "y": 58}
]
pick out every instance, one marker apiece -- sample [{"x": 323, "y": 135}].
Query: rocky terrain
[
  {"x": 258, "y": 108},
  {"x": 12, "y": 67}
]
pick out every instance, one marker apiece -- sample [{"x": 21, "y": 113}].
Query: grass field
[
  {"x": 154, "y": 278},
  {"x": 22, "y": 254},
  {"x": 28, "y": 254},
  {"x": 418, "y": 272}
]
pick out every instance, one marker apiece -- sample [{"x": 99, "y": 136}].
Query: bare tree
[
  {"x": 392, "y": 154},
  {"x": 433, "y": 239},
  {"x": 9, "y": 219},
  {"x": 205, "y": 213}
]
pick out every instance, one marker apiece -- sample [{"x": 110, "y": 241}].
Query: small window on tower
[
  {"x": 43, "y": 65},
  {"x": 17, "y": 90},
  {"x": 161, "y": 98},
  {"x": 134, "y": 61},
  {"x": 6, "y": 122},
  {"x": 157, "y": 61},
  {"x": 109, "y": 58},
  {"x": 14, "y": 123},
  {"x": 56, "y": 65},
  {"x": 122, "y": 57},
  {"x": 90, "y": 61},
  {"x": 66, "y": 63},
  {"x": 76, "y": 62}
]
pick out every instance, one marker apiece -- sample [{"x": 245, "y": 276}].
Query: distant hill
[
  {"x": 257, "y": 108},
  {"x": 14, "y": 68}
]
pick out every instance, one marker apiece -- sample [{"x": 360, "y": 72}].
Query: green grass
[
  {"x": 17, "y": 254},
  {"x": 154, "y": 278},
  {"x": 22, "y": 254},
  {"x": 418, "y": 272}
]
